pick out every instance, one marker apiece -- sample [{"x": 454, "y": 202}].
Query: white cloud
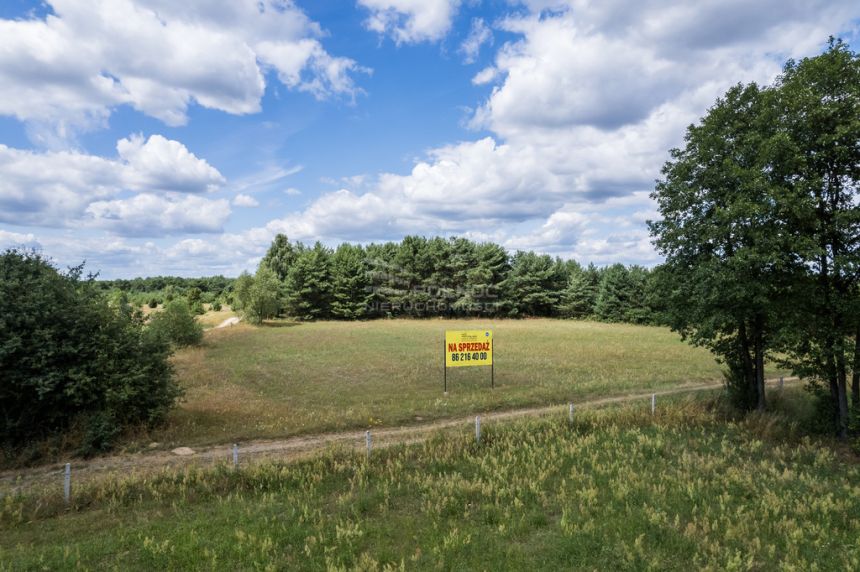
[
  {"x": 241, "y": 200},
  {"x": 411, "y": 21},
  {"x": 17, "y": 240},
  {"x": 148, "y": 214},
  {"x": 55, "y": 188},
  {"x": 479, "y": 35},
  {"x": 160, "y": 164},
  {"x": 70, "y": 69},
  {"x": 588, "y": 102}
]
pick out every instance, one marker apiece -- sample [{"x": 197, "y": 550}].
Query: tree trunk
[
  {"x": 747, "y": 363},
  {"x": 855, "y": 373},
  {"x": 842, "y": 386},
  {"x": 759, "y": 367}
]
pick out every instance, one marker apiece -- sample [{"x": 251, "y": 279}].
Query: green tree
[
  {"x": 350, "y": 283},
  {"x": 67, "y": 357},
  {"x": 263, "y": 297},
  {"x": 482, "y": 292},
  {"x": 176, "y": 324},
  {"x": 579, "y": 298},
  {"x": 534, "y": 284},
  {"x": 720, "y": 232},
  {"x": 242, "y": 291},
  {"x": 818, "y": 102},
  {"x": 280, "y": 256},
  {"x": 309, "y": 284}
]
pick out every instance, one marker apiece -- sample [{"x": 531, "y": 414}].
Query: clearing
[{"x": 286, "y": 378}]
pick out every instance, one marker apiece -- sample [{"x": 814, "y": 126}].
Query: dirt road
[{"x": 295, "y": 448}]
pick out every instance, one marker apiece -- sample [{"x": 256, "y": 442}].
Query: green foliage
[
  {"x": 622, "y": 295},
  {"x": 216, "y": 306},
  {"x": 534, "y": 285},
  {"x": 280, "y": 256},
  {"x": 309, "y": 284},
  {"x": 176, "y": 324},
  {"x": 350, "y": 282},
  {"x": 421, "y": 277},
  {"x": 153, "y": 303},
  {"x": 67, "y": 357},
  {"x": 720, "y": 232},
  {"x": 196, "y": 308},
  {"x": 579, "y": 298},
  {"x": 761, "y": 227},
  {"x": 261, "y": 295}
]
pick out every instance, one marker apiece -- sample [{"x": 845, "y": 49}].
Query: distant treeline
[
  {"x": 161, "y": 289},
  {"x": 447, "y": 277}
]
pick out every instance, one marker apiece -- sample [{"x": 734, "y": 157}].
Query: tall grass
[{"x": 618, "y": 488}]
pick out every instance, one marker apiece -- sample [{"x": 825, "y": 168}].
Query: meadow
[
  {"x": 288, "y": 378},
  {"x": 617, "y": 488}
]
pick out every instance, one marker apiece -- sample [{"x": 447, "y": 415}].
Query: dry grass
[{"x": 286, "y": 379}]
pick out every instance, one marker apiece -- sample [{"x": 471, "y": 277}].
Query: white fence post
[
  {"x": 67, "y": 483},
  {"x": 368, "y": 442},
  {"x": 235, "y": 455},
  {"x": 477, "y": 428},
  {"x": 570, "y": 412},
  {"x": 653, "y": 403}
]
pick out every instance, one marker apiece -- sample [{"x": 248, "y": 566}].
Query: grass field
[
  {"x": 286, "y": 378},
  {"x": 617, "y": 489}
]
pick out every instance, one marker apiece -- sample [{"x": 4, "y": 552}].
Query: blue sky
[{"x": 153, "y": 137}]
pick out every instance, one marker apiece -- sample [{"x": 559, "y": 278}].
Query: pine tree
[
  {"x": 351, "y": 291},
  {"x": 309, "y": 284}
]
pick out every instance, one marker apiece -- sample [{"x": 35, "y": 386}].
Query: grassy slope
[
  {"x": 248, "y": 382},
  {"x": 616, "y": 490}
]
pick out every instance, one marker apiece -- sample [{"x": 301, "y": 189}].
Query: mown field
[
  {"x": 617, "y": 489},
  {"x": 288, "y": 378}
]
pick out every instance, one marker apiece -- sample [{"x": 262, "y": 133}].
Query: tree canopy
[
  {"x": 69, "y": 357},
  {"x": 760, "y": 228}
]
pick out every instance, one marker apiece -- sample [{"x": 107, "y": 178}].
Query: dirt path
[
  {"x": 300, "y": 447},
  {"x": 228, "y": 322}
]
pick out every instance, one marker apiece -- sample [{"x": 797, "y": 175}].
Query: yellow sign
[{"x": 468, "y": 347}]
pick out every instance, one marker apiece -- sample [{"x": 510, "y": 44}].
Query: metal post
[
  {"x": 477, "y": 428},
  {"x": 492, "y": 367},
  {"x": 67, "y": 483},
  {"x": 445, "y": 363},
  {"x": 235, "y": 455},
  {"x": 570, "y": 412},
  {"x": 653, "y": 403},
  {"x": 781, "y": 382},
  {"x": 368, "y": 442}
]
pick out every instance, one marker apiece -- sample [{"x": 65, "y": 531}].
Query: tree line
[
  {"x": 422, "y": 277},
  {"x": 159, "y": 290}
]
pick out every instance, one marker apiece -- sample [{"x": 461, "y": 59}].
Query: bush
[
  {"x": 153, "y": 303},
  {"x": 67, "y": 357},
  {"x": 176, "y": 324},
  {"x": 216, "y": 306}
]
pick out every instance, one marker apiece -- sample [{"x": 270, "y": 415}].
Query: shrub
[
  {"x": 176, "y": 324},
  {"x": 216, "y": 306},
  {"x": 67, "y": 356},
  {"x": 153, "y": 303},
  {"x": 197, "y": 308}
]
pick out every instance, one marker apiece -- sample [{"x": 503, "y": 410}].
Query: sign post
[{"x": 469, "y": 348}]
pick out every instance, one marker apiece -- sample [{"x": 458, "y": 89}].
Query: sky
[{"x": 153, "y": 137}]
